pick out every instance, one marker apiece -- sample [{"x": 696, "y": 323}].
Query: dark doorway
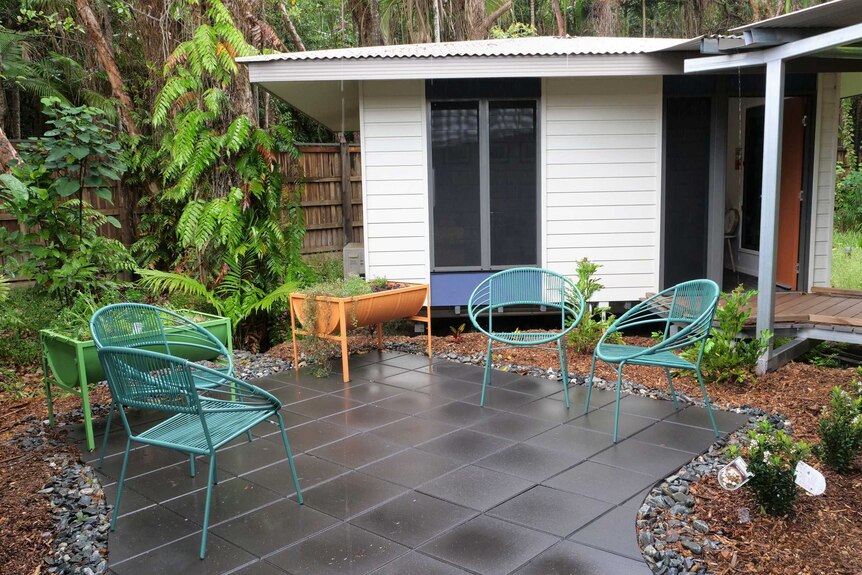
[{"x": 686, "y": 193}]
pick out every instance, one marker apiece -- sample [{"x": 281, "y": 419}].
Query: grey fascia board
[
  {"x": 803, "y": 47},
  {"x": 466, "y": 67}
]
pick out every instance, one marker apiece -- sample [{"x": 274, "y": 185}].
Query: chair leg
[
  {"x": 706, "y": 402},
  {"x": 290, "y": 459},
  {"x": 672, "y": 390},
  {"x": 486, "y": 379},
  {"x": 120, "y": 485},
  {"x": 248, "y": 434},
  {"x": 617, "y": 408},
  {"x": 192, "y": 471},
  {"x": 210, "y": 483},
  {"x": 107, "y": 431},
  {"x": 590, "y": 384},
  {"x": 564, "y": 369}
]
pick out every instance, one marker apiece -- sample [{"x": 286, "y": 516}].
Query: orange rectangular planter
[{"x": 338, "y": 314}]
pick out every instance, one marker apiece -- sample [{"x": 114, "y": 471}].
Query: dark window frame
[{"x": 484, "y": 96}]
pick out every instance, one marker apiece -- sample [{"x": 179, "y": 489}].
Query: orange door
[{"x": 789, "y": 208}]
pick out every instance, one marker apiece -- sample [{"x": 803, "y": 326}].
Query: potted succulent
[
  {"x": 330, "y": 309},
  {"x": 70, "y": 360}
]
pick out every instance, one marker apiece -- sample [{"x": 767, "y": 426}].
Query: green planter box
[{"x": 73, "y": 365}]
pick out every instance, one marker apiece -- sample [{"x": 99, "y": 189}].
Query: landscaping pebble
[{"x": 80, "y": 517}]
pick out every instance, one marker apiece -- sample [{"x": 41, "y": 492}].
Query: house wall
[
  {"x": 601, "y": 140},
  {"x": 395, "y": 180},
  {"x": 826, "y": 146}
]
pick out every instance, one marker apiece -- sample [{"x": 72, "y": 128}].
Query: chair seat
[
  {"x": 184, "y": 431},
  {"x": 525, "y": 337},
  {"x": 614, "y": 353}
]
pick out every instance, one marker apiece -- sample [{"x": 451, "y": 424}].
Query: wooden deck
[{"x": 822, "y": 310}]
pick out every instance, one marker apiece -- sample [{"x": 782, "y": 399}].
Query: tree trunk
[
  {"x": 558, "y": 14},
  {"x": 489, "y": 21},
  {"x": 474, "y": 15},
  {"x": 291, "y": 29},
  {"x": 374, "y": 23},
  {"x": 8, "y": 153},
  {"x": 533, "y": 14},
  {"x": 436, "y": 20},
  {"x": 3, "y": 106},
  {"x": 106, "y": 58},
  {"x": 15, "y": 113}
]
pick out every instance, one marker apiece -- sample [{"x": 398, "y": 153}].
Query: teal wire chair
[
  {"x": 538, "y": 289},
  {"x": 688, "y": 307},
  {"x": 142, "y": 326},
  {"x": 199, "y": 422}
]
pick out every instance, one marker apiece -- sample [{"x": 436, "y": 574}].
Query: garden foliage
[
  {"x": 596, "y": 320},
  {"x": 840, "y": 429},
  {"x": 238, "y": 236},
  {"x": 728, "y": 357},
  {"x": 772, "y": 456},
  {"x": 57, "y": 244},
  {"x": 848, "y": 202}
]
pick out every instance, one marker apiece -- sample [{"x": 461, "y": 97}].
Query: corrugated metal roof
[
  {"x": 534, "y": 46},
  {"x": 835, "y": 14}
]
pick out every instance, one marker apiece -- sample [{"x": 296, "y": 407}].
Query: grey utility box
[{"x": 354, "y": 260}]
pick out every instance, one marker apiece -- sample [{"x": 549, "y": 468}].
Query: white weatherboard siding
[
  {"x": 826, "y": 152},
  {"x": 602, "y": 150},
  {"x": 395, "y": 180}
]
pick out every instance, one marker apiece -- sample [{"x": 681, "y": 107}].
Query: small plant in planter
[
  {"x": 840, "y": 429},
  {"x": 328, "y": 310},
  {"x": 772, "y": 456}
]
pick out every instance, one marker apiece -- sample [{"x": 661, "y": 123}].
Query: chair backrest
[
  {"x": 525, "y": 287},
  {"x": 149, "y": 380},
  {"x": 142, "y": 326},
  {"x": 691, "y": 305}
]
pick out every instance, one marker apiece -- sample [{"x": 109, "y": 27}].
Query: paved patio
[{"x": 403, "y": 473}]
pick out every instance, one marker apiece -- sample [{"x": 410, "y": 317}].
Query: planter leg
[
  {"x": 293, "y": 333},
  {"x": 379, "y": 337},
  {"x": 85, "y": 401},
  {"x": 48, "y": 395},
  {"x": 345, "y": 355}
]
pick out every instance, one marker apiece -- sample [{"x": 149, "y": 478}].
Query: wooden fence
[
  {"x": 322, "y": 173},
  {"x": 332, "y": 218}
]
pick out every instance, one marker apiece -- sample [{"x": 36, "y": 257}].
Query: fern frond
[{"x": 159, "y": 282}]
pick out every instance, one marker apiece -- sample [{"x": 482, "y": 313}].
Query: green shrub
[
  {"x": 58, "y": 236},
  {"x": 22, "y": 315},
  {"x": 726, "y": 356},
  {"x": 772, "y": 456},
  {"x": 324, "y": 268},
  {"x": 848, "y": 202},
  {"x": 840, "y": 429},
  {"x": 596, "y": 320}
]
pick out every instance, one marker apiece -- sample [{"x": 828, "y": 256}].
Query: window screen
[
  {"x": 455, "y": 161},
  {"x": 512, "y": 172}
]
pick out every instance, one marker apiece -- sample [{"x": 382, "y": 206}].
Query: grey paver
[{"x": 403, "y": 472}]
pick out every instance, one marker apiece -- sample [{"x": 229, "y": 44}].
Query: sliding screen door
[
  {"x": 455, "y": 160},
  {"x": 513, "y": 175}
]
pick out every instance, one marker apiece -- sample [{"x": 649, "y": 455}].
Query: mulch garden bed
[{"x": 823, "y": 537}]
